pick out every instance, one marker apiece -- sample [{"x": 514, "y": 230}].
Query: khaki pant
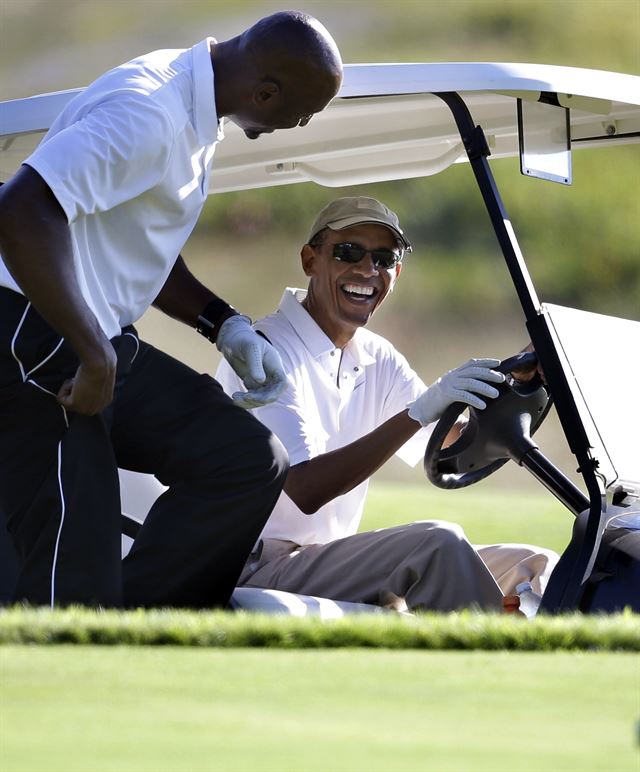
[{"x": 427, "y": 565}]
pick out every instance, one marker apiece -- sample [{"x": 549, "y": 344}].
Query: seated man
[{"x": 352, "y": 401}]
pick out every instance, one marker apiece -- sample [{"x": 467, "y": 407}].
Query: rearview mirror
[{"x": 545, "y": 141}]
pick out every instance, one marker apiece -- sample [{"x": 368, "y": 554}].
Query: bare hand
[{"x": 90, "y": 391}]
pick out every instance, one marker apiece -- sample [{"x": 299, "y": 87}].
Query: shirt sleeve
[
  {"x": 114, "y": 153},
  {"x": 299, "y": 429},
  {"x": 406, "y": 386}
]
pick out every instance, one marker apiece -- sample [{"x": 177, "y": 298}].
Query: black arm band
[{"x": 214, "y": 314}]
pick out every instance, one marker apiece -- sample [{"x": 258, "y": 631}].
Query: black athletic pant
[{"x": 59, "y": 491}]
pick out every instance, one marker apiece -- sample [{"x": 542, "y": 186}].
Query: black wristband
[{"x": 213, "y": 315}]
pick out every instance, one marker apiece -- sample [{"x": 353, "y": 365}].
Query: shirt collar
[
  {"x": 316, "y": 341},
  {"x": 208, "y": 127}
]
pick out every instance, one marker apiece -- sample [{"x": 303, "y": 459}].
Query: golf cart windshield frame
[{"x": 587, "y": 542}]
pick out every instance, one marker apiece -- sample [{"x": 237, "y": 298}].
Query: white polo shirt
[
  {"x": 129, "y": 160},
  {"x": 333, "y": 398}
]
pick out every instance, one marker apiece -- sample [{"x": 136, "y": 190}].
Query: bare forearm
[
  {"x": 314, "y": 483},
  {"x": 183, "y": 297},
  {"x": 36, "y": 248}
]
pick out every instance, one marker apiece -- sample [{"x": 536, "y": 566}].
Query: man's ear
[
  {"x": 396, "y": 274},
  {"x": 265, "y": 91},
  {"x": 308, "y": 258}
]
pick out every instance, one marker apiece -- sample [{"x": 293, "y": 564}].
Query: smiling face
[{"x": 343, "y": 296}]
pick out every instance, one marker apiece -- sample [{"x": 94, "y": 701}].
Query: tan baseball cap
[{"x": 356, "y": 210}]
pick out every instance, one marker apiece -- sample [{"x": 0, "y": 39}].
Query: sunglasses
[{"x": 354, "y": 253}]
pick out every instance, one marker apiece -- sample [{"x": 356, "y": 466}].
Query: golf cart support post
[{"x": 588, "y": 542}]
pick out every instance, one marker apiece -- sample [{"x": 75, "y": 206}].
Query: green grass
[
  {"x": 488, "y": 516},
  {"x": 466, "y": 630},
  {"x": 553, "y": 694},
  {"x": 166, "y": 710},
  {"x": 579, "y": 253}
]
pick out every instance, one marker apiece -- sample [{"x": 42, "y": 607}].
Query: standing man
[
  {"x": 351, "y": 402},
  {"x": 91, "y": 228}
]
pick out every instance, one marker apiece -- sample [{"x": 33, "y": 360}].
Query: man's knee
[
  {"x": 255, "y": 456},
  {"x": 525, "y": 553},
  {"x": 448, "y": 536},
  {"x": 220, "y": 441}
]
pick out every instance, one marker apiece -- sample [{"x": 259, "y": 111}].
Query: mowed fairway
[
  {"x": 488, "y": 515},
  {"x": 170, "y": 709},
  {"x": 81, "y": 709}
]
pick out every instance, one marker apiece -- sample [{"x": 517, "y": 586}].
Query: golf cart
[{"x": 398, "y": 121}]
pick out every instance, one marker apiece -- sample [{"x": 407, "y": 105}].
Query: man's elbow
[
  {"x": 310, "y": 485},
  {"x": 309, "y": 507},
  {"x": 296, "y": 488},
  {"x": 307, "y": 504}
]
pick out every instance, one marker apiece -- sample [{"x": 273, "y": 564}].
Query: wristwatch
[{"x": 212, "y": 317}]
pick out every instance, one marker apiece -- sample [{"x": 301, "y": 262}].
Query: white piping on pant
[
  {"x": 26, "y": 379},
  {"x": 62, "y": 514},
  {"x": 131, "y": 335},
  {"x": 15, "y": 337},
  {"x": 46, "y": 359},
  {"x": 46, "y": 391},
  {"x": 24, "y": 375}
]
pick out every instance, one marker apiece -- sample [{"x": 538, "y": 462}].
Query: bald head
[
  {"x": 290, "y": 40},
  {"x": 276, "y": 74}
]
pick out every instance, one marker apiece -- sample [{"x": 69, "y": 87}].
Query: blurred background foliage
[
  {"x": 454, "y": 300},
  {"x": 582, "y": 244}
]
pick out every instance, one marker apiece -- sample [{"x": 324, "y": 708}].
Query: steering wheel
[{"x": 500, "y": 432}]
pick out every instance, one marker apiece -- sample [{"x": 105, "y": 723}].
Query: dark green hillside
[{"x": 583, "y": 244}]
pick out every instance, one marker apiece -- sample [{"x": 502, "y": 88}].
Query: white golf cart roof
[{"x": 385, "y": 123}]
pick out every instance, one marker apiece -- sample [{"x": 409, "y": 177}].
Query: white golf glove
[
  {"x": 459, "y": 385},
  {"x": 254, "y": 360}
]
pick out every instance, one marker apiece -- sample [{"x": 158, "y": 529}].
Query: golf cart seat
[
  {"x": 138, "y": 493},
  {"x": 294, "y": 604}
]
